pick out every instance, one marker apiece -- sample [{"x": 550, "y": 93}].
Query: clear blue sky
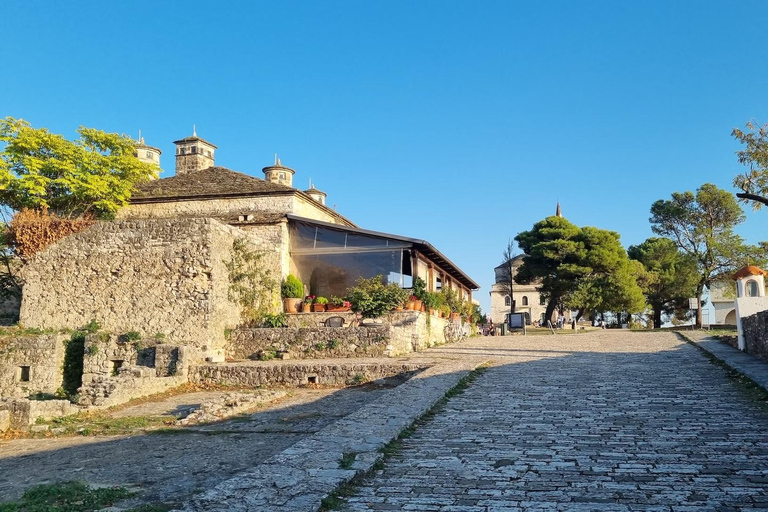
[{"x": 462, "y": 123}]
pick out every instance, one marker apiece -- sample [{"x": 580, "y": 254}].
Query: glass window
[
  {"x": 194, "y": 150},
  {"x": 525, "y": 300},
  {"x": 150, "y": 155},
  {"x": 507, "y": 301},
  {"x": 542, "y": 300},
  {"x": 752, "y": 289}
]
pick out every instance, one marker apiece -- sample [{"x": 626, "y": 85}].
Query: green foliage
[
  {"x": 66, "y": 497},
  {"x": 433, "y": 300},
  {"x": 451, "y": 299},
  {"x": 333, "y": 344},
  {"x": 669, "y": 276},
  {"x": 320, "y": 346},
  {"x": 754, "y": 182},
  {"x": 92, "y": 327},
  {"x": 267, "y": 355},
  {"x": 585, "y": 269},
  {"x": 275, "y": 320},
  {"x": 133, "y": 335},
  {"x": 702, "y": 226},
  {"x": 94, "y": 174},
  {"x": 292, "y": 288},
  {"x": 320, "y": 300},
  {"x": 159, "y": 336},
  {"x": 73, "y": 363},
  {"x": 93, "y": 350},
  {"x": 250, "y": 285},
  {"x": 420, "y": 288},
  {"x": 373, "y": 298}
]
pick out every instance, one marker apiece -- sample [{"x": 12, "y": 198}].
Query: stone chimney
[
  {"x": 279, "y": 173},
  {"x": 193, "y": 154},
  {"x": 315, "y": 194}
]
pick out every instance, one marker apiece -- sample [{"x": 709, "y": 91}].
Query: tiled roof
[{"x": 210, "y": 182}]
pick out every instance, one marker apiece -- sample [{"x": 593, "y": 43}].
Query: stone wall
[
  {"x": 296, "y": 374},
  {"x": 31, "y": 364},
  {"x": 308, "y": 338},
  {"x": 227, "y": 207},
  {"x": 116, "y": 369},
  {"x": 309, "y": 342},
  {"x": 755, "y": 329},
  {"x": 20, "y": 414},
  {"x": 153, "y": 276}
]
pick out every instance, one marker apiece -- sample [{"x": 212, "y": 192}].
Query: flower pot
[
  {"x": 399, "y": 310},
  {"x": 417, "y": 305},
  {"x": 410, "y": 306},
  {"x": 434, "y": 312},
  {"x": 455, "y": 316},
  {"x": 306, "y": 308},
  {"x": 291, "y": 305},
  {"x": 332, "y": 307},
  {"x": 318, "y": 308}
]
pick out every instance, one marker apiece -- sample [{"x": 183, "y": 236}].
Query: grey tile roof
[{"x": 210, "y": 182}]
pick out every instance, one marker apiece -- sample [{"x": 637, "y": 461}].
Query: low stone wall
[
  {"x": 756, "y": 334},
  {"x": 309, "y": 343},
  {"x": 295, "y": 373},
  {"x": 306, "y": 337},
  {"x": 20, "y": 414},
  {"x": 306, "y": 320},
  {"x": 116, "y": 370},
  {"x": 31, "y": 364}
]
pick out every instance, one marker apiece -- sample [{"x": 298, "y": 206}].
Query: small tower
[
  {"x": 278, "y": 173},
  {"x": 193, "y": 154},
  {"x": 558, "y": 212},
  {"x": 317, "y": 195},
  {"x": 147, "y": 154}
]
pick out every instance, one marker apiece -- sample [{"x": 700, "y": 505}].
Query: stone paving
[
  {"x": 751, "y": 366},
  {"x": 607, "y": 421}
]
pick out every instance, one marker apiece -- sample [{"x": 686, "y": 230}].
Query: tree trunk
[
  {"x": 579, "y": 314},
  {"x": 550, "y": 309},
  {"x": 657, "y": 317},
  {"x": 699, "y": 293}
]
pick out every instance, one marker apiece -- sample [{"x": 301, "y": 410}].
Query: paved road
[{"x": 604, "y": 421}]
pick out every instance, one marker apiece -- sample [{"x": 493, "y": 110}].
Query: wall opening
[
  {"x": 24, "y": 373},
  {"x": 116, "y": 365},
  {"x": 311, "y": 379}
]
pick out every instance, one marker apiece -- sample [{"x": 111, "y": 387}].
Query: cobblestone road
[{"x": 603, "y": 421}]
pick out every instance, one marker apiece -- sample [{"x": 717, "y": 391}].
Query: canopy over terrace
[{"x": 330, "y": 258}]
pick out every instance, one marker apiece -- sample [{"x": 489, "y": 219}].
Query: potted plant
[
  {"x": 372, "y": 298},
  {"x": 319, "y": 305},
  {"x": 306, "y": 304},
  {"x": 338, "y": 304},
  {"x": 292, "y": 290},
  {"x": 432, "y": 301}
]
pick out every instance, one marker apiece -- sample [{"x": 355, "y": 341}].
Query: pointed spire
[
  {"x": 194, "y": 131},
  {"x": 559, "y": 212}
]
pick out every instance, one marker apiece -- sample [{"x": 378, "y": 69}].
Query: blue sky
[{"x": 462, "y": 123}]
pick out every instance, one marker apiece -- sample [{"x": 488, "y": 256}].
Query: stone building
[
  {"x": 160, "y": 267},
  {"x": 528, "y": 299}
]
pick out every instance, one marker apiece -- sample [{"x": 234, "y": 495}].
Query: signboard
[
  {"x": 516, "y": 321},
  {"x": 693, "y": 303}
]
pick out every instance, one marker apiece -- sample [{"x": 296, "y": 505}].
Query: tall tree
[
  {"x": 93, "y": 175},
  {"x": 670, "y": 276},
  {"x": 609, "y": 280},
  {"x": 553, "y": 255},
  {"x": 754, "y": 182},
  {"x": 701, "y": 225}
]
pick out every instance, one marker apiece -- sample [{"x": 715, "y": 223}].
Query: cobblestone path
[{"x": 605, "y": 421}]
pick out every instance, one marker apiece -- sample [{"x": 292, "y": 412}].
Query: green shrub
[
  {"x": 420, "y": 288},
  {"x": 333, "y": 344},
  {"x": 373, "y": 298},
  {"x": 133, "y": 335},
  {"x": 320, "y": 346},
  {"x": 292, "y": 288},
  {"x": 321, "y": 300},
  {"x": 92, "y": 327},
  {"x": 275, "y": 320}
]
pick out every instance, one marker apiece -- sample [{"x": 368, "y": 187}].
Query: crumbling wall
[
  {"x": 117, "y": 369},
  {"x": 31, "y": 364},
  {"x": 164, "y": 276}
]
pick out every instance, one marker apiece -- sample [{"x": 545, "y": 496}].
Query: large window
[
  {"x": 507, "y": 301},
  {"x": 330, "y": 261}
]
